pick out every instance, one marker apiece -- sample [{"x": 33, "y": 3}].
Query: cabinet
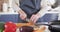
[{"x": 1, "y": 2}]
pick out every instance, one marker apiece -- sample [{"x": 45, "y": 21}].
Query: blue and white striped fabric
[{"x": 48, "y": 17}]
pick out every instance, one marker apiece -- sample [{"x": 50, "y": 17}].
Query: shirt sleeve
[
  {"x": 15, "y": 6},
  {"x": 46, "y": 5}
]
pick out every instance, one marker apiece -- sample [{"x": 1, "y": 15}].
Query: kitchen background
[
  {"x": 8, "y": 12},
  {"x": 6, "y": 8}
]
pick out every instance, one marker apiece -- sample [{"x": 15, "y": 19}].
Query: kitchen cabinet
[{"x": 1, "y": 2}]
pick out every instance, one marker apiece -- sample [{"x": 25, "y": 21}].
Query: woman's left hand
[{"x": 35, "y": 17}]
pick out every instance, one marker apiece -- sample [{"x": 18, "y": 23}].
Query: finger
[
  {"x": 32, "y": 17},
  {"x": 35, "y": 20},
  {"x": 22, "y": 17}
]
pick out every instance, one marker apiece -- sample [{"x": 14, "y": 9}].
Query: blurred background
[{"x": 9, "y": 11}]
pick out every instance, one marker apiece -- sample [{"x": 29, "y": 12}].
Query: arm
[
  {"x": 46, "y": 5},
  {"x": 20, "y": 11},
  {"x": 42, "y": 12}
]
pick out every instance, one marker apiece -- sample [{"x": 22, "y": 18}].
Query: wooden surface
[{"x": 41, "y": 29}]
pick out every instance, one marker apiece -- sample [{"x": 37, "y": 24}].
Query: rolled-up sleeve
[
  {"x": 43, "y": 11},
  {"x": 45, "y": 6},
  {"x": 15, "y": 6}
]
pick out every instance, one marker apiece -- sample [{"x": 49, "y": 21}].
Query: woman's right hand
[{"x": 23, "y": 15}]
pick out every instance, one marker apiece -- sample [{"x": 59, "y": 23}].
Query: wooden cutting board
[{"x": 41, "y": 29}]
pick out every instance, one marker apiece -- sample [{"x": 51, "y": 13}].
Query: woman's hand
[
  {"x": 23, "y": 15},
  {"x": 35, "y": 17}
]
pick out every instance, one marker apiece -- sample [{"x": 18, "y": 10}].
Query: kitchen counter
[{"x": 2, "y": 13}]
